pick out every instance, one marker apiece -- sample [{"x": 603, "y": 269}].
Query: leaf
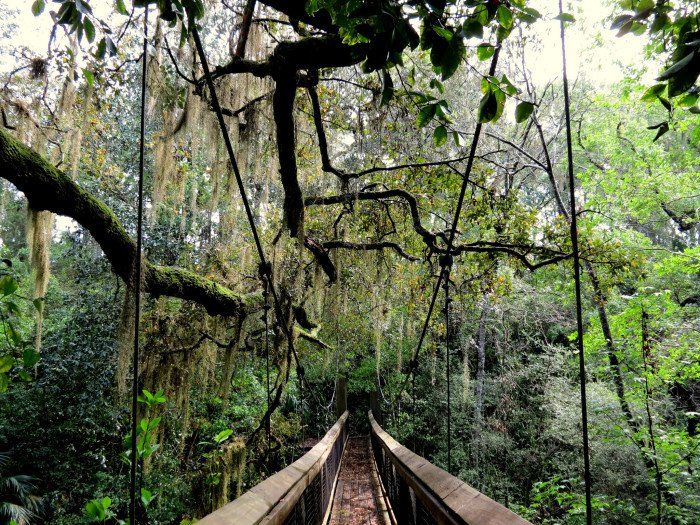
[
  {"x": 645, "y": 5},
  {"x": 425, "y": 115},
  {"x": 625, "y": 28},
  {"x": 4, "y": 383},
  {"x": 89, "y": 30},
  {"x": 675, "y": 68},
  {"x": 472, "y": 28},
  {"x": 223, "y": 435},
  {"x": 439, "y": 136},
  {"x": 457, "y": 137},
  {"x": 146, "y": 497},
  {"x": 523, "y": 111},
  {"x": 529, "y": 15},
  {"x": 689, "y": 100},
  {"x": 444, "y": 33},
  {"x": 388, "y": 91},
  {"x": 505, "y": 17},
  {"x": 38, "y": 304},
  {"x": 121, "y": 8},
  {"x": 101, "y": 49},
  {"x": 38, "y": 7},
  {"x": 8, "y": 286},
  {"x": 89, "y": 77},
  {"x": 484, "y": 51},
  {"x": 30, "y": 357},
  {"x": 6, "y": 363},
  {"x": 662, "y": 128},
  {"x": 488, "y": 107},
  {"x": 565, "y": 17},
  {"x": 13, "y": 334},
  {"x": 653, "y": 92},
  {"x": 619, "y": 21},
  {"x": 453, "y": 57}
]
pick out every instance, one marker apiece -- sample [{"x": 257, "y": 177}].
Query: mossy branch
[{"x": 47, "y": 188}]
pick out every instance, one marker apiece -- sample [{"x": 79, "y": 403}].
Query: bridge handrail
[
  {"x": 420, "y": 492},
  {"x": 300, "y": 492}
]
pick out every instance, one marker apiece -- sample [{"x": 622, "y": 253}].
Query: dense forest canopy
[{"x": 355, "y": 126}]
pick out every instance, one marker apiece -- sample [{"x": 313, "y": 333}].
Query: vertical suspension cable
[
  {"x": 137, "y": 277},
  {"x": 577, "y": 274},
  {"x": 453, "y": 230},
  {"x": 266, "y": 308},
  {"x": 447, "y": 264}
]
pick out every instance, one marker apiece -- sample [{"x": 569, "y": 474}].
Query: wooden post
[
  {"x": 341, "y": 397},
  {"x": 375, "y": 407}
]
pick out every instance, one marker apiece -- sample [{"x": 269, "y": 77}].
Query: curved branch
[
  {"x": 381, "y": 245},
  {"x": 428, "y": 237},
  {"x": 47, "y": 188}
]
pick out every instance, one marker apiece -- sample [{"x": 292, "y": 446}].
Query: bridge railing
[
  {"x": 300, "y": 494},
  {"x": 422, "y": 494}
]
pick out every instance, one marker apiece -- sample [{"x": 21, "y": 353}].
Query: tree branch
[{"x": 47, "y": 188}]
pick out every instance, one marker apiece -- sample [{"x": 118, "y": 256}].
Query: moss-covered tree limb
[{"x": 47, "y": 188}]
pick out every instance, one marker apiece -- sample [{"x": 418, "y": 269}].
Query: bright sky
[{"x": 605, "y": 65}]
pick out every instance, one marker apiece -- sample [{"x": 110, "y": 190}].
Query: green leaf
[
  {"x": 30, "y": 357},
  {"x": 8, "y": 286},
  {"x": 565, "y": 17},
  {"x": 101, "y": 50},
  {"x": 645, "y": 5},
  {"x": 6, "y": 363},
  {"x": 675, "y": 68},
  {"x": 653, "y": 92},
  {"x": 146, "y": 497},
  {"x": 689, "y": 100},
  {"x": 13, "y": 334},
  {"x": 38, "y": 7},
  {"x": 505, "y": 17},
  {"x": 4, "y": 383},
  {"x": 425, "y": 115},
  {"x": 453, "y": 58},
  {"x": 89, "y": 77},
  {"x": 439, "y": 136},
  {"x": 488, "y": 107},
  {"x": 523, "y": 111},
  {"x": 458, "y": 140},
  {"x": 529, "y": 15},
  {"x": 223, "y": 435},
  {"x": 485, "y": 51},
  {"x": 89, "y": 30},
  {"x": 38, "y": 304},
  {"x": 472, "y": 28},
  {"x": 662, "y": 128},
  {"x": 444, "y": 33},
  {"x": 388, "y": 91},
  {"x": 621, "y": 20},
  {"x": 121, "y": 8}
]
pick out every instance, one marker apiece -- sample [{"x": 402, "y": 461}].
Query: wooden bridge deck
[{"x": 357, "y": 498}]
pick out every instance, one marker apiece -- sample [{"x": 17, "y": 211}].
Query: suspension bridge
[
  {"x": 362, "y": 480},
  {"x": 347, "y": 480}
]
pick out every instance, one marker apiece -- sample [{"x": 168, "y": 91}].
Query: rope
[
  {"x": 453, "y": 232},
  {"x": 266, "y": 308},
  {"x": 577, "y": 275},
  {"x": 139, "y": 247},
  {"x": 446, "y": 284}
]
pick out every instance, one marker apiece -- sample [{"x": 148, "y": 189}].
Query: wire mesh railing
[
  {"x": 419, "y": 493},
  {"x": 299, "y": 494}
]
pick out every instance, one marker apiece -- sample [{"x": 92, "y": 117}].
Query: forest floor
[{"x": 356, "y": 500}]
